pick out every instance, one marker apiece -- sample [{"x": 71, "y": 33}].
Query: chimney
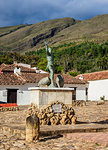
[
  {"x": 81, "y": 77},
  {"x": 17, "y": 70}
]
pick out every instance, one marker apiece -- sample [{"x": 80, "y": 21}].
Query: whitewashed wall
[
  {"x": 97, "y": 89},
  {"x": 81, "y": 93},
  {"x": 23, "y": 94},
  {"x": 80, "y": 90},
  {"x": 3, "y": 94}
]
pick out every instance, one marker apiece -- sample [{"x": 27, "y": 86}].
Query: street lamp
[{"x": 37, "y": 72}]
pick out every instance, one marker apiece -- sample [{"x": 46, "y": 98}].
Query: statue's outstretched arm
[{"x": 46, "y": 44}]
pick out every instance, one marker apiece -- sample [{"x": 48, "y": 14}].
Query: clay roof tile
[{"x": 94, "y": 76}]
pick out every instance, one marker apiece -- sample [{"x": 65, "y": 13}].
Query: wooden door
[
  {"x": 74, "y": 94},
  {"x": 12, "y": 96}
]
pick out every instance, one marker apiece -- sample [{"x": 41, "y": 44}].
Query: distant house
[
  {"x": 29, "y": 66},
  {"x": 98, "y": 84},
  {"x": 80, "y": 87},
  {"x": 16, "y": 79},
  {"x": 39, "y": 70}
]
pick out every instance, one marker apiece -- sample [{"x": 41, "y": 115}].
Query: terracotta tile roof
[
  {"x": 71, "y": 80},
  {"x": 13, "y": 79},
  {"x": 29, "y": 76},
  {"x": 94, "y": 76},
  {"x": 10, "y": 79},
  {"x": 33, "y": 78},
  {"x": 10, "y": 68}
]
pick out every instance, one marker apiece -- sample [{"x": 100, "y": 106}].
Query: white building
[
  {"x": 80, "y": 87},
  {"x": 15, "y": 81},
  {"x": 98, "y": 85},
  {"x": 39, "y": 70}
]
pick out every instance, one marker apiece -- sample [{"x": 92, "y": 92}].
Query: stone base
[{"x": 43, "y": 96}]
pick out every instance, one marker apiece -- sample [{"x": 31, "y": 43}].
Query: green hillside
[
  {"x": 22, "y": 38},
  {"x": 73, "y": 58}
]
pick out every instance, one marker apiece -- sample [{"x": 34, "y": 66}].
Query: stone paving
[
  {"x": 8, "y": 142},
  {"x": 100, "y": 138},
  {"x": 91, "y": 113},
  {"x": 86, "y": 114}
]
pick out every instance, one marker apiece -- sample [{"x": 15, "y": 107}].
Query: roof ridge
[
  {"x": 10, "y": 67},
  {"x": 95, "y": 72},
  {"x": 94, "y": 75},
  {"x": 18, "y": 75}
]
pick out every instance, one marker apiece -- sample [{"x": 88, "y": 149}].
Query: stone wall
[
  {"x": 78, "y": 103},
  {"x": 56, "y": 113},
  {"x": 9, "y": 108}
]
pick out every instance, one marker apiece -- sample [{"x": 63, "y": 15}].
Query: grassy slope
[
  {"x": 9, "y": 29},
  {"x": 95, "y": 29},
  {"x": 24, "y": 38},
  {"x": 57, "y": 31}
]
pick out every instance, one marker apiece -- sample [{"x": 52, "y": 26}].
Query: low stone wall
[
  {"x": 78, "y": 103},
  {"x": 100, "y": 102},
  {"x": 56, "y": 113},
  {"x": 9, "y": 108}
]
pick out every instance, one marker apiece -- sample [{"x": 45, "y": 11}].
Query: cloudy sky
[{"x": 13, "y": 12}]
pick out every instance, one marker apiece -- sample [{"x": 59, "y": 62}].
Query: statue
[{"x": 50, "y": 64}]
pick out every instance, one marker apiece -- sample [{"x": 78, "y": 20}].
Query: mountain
[{"x": 23, "y": 38}]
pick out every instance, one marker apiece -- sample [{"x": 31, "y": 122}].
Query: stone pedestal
[
  {"x": 32, "y": 128},
  {"x": 43, "y": 95}
]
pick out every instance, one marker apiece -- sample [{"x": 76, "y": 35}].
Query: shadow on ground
[
  {"x": 51, "y": 137},
  {"x": 80, "y": 122},
  {"x": 98, "y": 122},
  {"x": 102, "y": 122}
]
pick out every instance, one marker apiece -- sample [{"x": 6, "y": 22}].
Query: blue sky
[{"x": 13, "y": 12}]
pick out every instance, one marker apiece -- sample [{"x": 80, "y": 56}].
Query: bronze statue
[{"x": 50, "y": 64}]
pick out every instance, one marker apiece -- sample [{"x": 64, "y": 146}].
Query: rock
[
  {"x": 73, "y": 120},
  {"x": 52, "y": 120},
  {"x": 32, "y": 124},
  {"x": 60, "y": 81},
  {"x": 45, "y": 81},
  {"x": 1, "y": 146},
  {"x": 9, "y": 108},
  {"x": 44, "y": 122},
  {"x": 100, "y": 102},
  {"x": 78, "y": 103}
]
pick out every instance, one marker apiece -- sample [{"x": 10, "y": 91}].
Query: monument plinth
[{"x": 43, "y": 95}]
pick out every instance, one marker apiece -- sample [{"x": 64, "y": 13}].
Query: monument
[
  {"x": 49, "y": 91},
  {"x": 55, "y": 113}
]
